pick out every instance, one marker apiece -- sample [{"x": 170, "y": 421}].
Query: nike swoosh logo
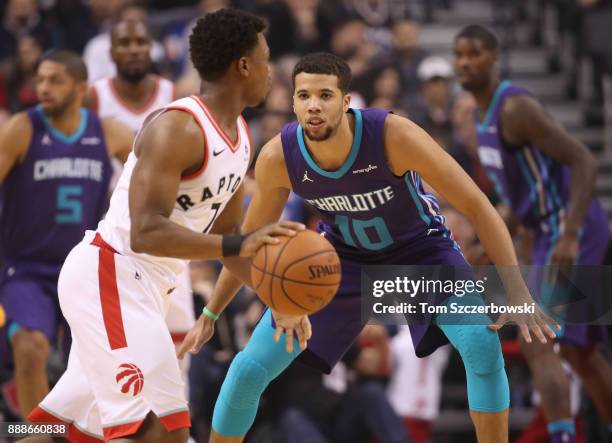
[{"x": 215, "y": 153}]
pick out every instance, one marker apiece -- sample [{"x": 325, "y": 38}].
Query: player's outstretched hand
[
  {"x": 268, "y": 235},
  {"x": 290, "y": 324},
  {"x": 535, "y": 322},
  {"x": 199, "y": 334}
]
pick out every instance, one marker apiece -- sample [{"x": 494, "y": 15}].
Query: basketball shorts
[
  {"x": 181, "y": 317},
  {"x": 122, "y": 363},
  {"x": 594, "y": 239},
  {"x": 335, "y": 327},
  {"x": 28, "y": 294}
]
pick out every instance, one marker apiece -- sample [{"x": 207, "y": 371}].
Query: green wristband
[{"x": 210, "y": 314}]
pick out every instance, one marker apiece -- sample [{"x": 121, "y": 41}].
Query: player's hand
[
  {"x": 290, "y": 324},
  {"x": 199, "y": 334},
  {"x": 528, "y": 323},
  {"x": 565, "y": 251},
  {"x": 268, "y": 235}
]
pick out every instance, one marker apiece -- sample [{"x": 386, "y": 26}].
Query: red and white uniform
[
  {"x": 108, "y": 103},
  {"x": 122, "y": 362},
  {"x": 416, "y": 384}
]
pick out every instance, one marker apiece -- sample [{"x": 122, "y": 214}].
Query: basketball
[{"x": 298, "y": 276}]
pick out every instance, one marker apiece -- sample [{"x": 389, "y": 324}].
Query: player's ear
[
  {"x": 243, "y": 66},
  {"x": 346, "y": 102},
  {"x": 81, "y": 88}
]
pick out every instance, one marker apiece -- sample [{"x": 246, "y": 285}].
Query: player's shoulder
[
  {"x": 398, "y": 128},
  {"x": 172, "y": 131},
  {"x": 519, "y": 110},
  {"x": 16, "y": 134},
  {"x": 271, "y": 165},
  {"x": 18, "y": 125},
  {"x": 519, "y": 102},
  {"x": 272, "y": 152}
]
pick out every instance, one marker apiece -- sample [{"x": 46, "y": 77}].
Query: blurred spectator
[
  {"x": 386, "y": 88},
  {"x": 18, "y": 75},
  {"x": 415, "y": 387},
  {"x": 78, "y": 21},
  {"x": 432, "y": 109},
  {"x": 23, "y": 17},
  {"x": 350, "y": 42},
  {"x": 295, "y": 26},
  {"x": 379, "y": 16},
  {"x": 464, "y": 146},
  {"x": 352, "y": 412},
  {"x": 97, "y": 52},
  {"x": 406, "y": 54},
  {"x": 176, "y": 43},
  {"x": 378, "y": 13}
]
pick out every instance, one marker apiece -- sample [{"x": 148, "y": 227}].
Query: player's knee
[
  {"x": 480, "y": 350},
  {"x": 245, "y": 382},
  {"x": 478, "y": 346},
  {"x": 30, "y": 349},
  {"x": 178, "y": 436}
]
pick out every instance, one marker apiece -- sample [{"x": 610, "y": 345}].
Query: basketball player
[
  {"x": 531, "y": 159},
  {"x": 183, "y": 177},
  {"x": 332, "y": 154},
  {"x": 55, "y": 168},
  {"x": 130, "y": 97}
]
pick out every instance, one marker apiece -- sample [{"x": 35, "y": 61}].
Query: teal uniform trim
[
  {"x": 349, "y": 160},
  {"x": 493, "y": 105},
  {"x": 65, "y": 138}
]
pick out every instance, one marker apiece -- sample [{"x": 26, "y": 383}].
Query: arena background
[{"x": 559, "y": 49}]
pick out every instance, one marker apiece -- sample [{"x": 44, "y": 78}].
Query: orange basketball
[{"x": 298, "y": 276}]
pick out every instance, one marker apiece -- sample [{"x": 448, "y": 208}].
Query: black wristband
[{"x": 231, "y": 244}]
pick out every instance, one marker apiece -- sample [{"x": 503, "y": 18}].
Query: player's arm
[
  {"x": 170, "y": 147},
  {"x": 269, "y": 199},
  {"x": 524, "y": 121},
  {"x": 408, "y": 147},
  {"x": 229, "y": 223},
  {"x": 119, "y": 138},
  {"x": 15, "y": 137},
  {"x": 272, "y": 189}
]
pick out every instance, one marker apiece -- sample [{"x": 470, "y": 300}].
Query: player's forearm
[
  {"x": 584, "y": 175},
  {"x": 227, "y": 285},
  {"x": 161, "y": 237},
  {"x": 495, "y": 238}
]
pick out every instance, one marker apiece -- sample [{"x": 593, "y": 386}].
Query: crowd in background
[{"x": 366, "y": 394}]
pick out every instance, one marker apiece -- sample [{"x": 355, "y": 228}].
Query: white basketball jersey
[
  {"x": 201, "y": 196},
  {"x": 110, "y": 104}
]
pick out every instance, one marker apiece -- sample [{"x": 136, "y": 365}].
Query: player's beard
[
  {"x": 320, "y": 137},
  {"x": 327, "y": 133},
  {"x": 134, "y": 77},
  {"x": 62, "y": 105}
]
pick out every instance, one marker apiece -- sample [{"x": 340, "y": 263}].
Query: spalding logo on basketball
[
  {"x": 298, "y": 276},
  {"x": 130, "y": 379}
]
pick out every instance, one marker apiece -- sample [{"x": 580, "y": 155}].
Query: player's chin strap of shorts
[
  {"x": 480, "y": 350},
  {"x": 260, "y": 362}
]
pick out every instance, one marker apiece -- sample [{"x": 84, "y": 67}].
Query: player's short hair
[
  {"x": 324, "y": 63},
  {"x": 220, "y": 38},
  {"x": 75, "y": 66},
  {"x": 488, "y": 39}
]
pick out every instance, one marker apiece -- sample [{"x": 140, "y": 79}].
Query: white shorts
[
  {"x": 181, "y": 317},
  {"x": 122, "y": 362}
]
